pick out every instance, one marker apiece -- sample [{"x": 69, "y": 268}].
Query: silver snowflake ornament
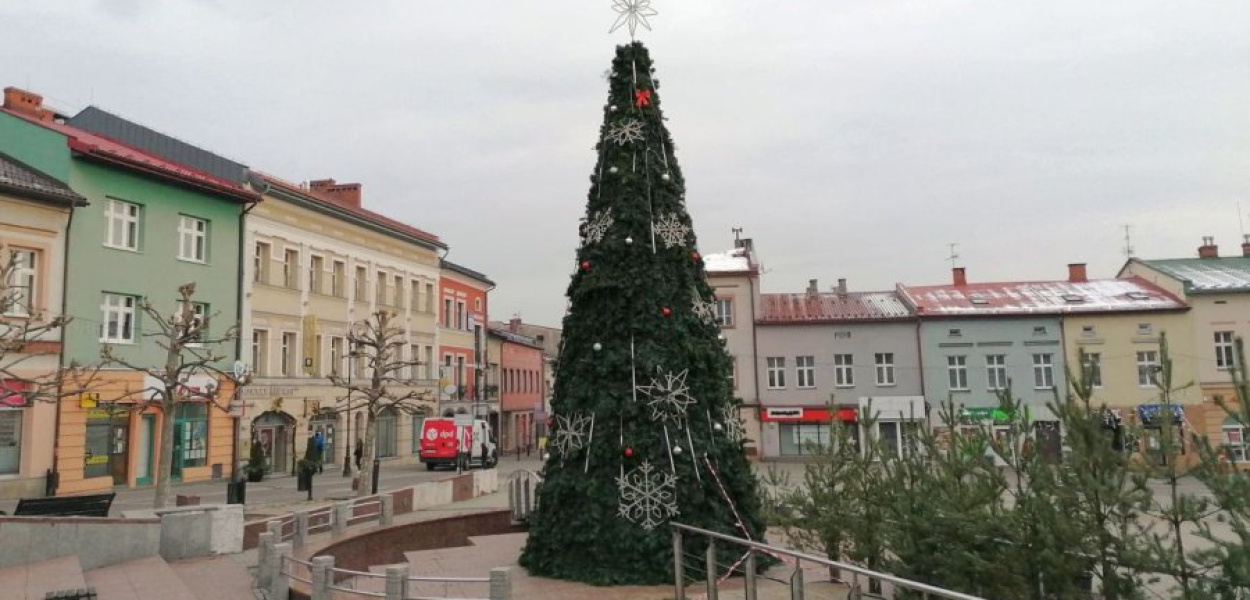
[
  {"x": 570, "y": 433},
  {"x": 647, "y": 497},
  {"x": 598, "y": 226},
  {"x": 632, "y": 13},
  {"x": 668, "y": 396},
  {"x": 671, "y": 230},
  {"x": 706, "y": 311},
  {"x": 734, "y": 431},
  {"x": 626, "y": 132}
]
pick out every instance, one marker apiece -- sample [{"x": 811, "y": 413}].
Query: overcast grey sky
[{"x": 850, "y": 138}]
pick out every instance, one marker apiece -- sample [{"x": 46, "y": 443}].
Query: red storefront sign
[
  {"x": 11, "y": 392},
  {"x": 804, "y": 414}
]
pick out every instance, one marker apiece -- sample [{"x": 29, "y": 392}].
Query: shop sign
[
  {"x": 985, "y": 413},
  {"x": 799, "y": 413},
  {"x": 88, "y": 400},
  {"x": 1152, "y": 415},
  {"x": 194, "y": 384}
]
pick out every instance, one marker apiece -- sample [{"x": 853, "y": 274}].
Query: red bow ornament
[{"x": 642, "y": 98}]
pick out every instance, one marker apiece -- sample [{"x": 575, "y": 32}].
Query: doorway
[
  {"x": 119, "y": 450},
  {"x": 273, "y": 430},
  {"x": 147, "y": 438}
]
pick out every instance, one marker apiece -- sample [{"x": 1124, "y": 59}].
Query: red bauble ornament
[
  {"x": 550, "y": 421},
  {"x": 642, "y": 98},
  {"x": 586, "y": 266},
  {"x": 629, "y": 452},
  {"x": 667, "y": 311},
  {"x": 695, "y": 255}
]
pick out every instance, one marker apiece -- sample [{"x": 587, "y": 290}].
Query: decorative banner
[{"x": 647, "y": 498}]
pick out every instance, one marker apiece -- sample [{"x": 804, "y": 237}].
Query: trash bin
[
  {"x": 303, "y": 481},
  {"x": 236, "y": 492}
]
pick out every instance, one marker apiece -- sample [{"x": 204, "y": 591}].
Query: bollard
[
  {"x": 322, "y": 577},
  {"x": 377, "y": 468},
  {"x": 342, "y": 512},
  {"x": 280, "y": 585},
  {"x": 796, "y": 582},
  {"x": 397, "y": 582},
  {"x": 501, "y": 583},
  {"x": 679, "y": 569},
  {"x": 301, "y": 529},
  {"x": 275, "y": 527},
  {"x": 749, "y": 583},
  {"x": 388, "y": 509},
  {"x": 264, "y": 556},
  {"x": 712, "y": 570}
]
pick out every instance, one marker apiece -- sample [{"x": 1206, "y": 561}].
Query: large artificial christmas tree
[{"x": 644, "y": 428}]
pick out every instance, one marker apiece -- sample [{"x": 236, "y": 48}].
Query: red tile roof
[
  {"x": 1039, "y": 297},
  {"x": 102, "y": 148},
  {"x": 831, "y": 307},
  {"x": 368, "y": 215}
]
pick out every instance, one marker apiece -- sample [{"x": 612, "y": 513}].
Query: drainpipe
[
  {"x": 237, "y": 434},
  {"x": 54, "y": 474},
  {"x": 755, "y": 376}
]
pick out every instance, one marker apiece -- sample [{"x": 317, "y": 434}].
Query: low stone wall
[
  {"x": 408, "y": 499},
  {"x": 97, "y": 541}
]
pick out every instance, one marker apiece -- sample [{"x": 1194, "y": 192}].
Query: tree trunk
[
  {"x": 165, "y": 469},
  {"x": 366, "y": 462}
]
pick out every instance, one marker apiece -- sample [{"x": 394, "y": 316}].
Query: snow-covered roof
[
  {"x": 1207, "y": 275},
  {"x": 1040, "y": 297},
  {"x": 831, "y": 307},
  {"x": 734, "y": 261}
]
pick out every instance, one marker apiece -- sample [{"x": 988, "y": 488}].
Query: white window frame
[
  {"x": 1094, "y": 360},
  {"x": 338, "y": 355},
  {"x": 192, "y": 239},
  {"x": 123, "y": 218},
  {"x": 725, "y": 312},
  {"x": 21, "y": 290},
  {"x": 1147, "y": 363},
  {"x": 1237, "y": 449},
  {"x": 1224, "y": 355},
  {"x": 1044, "y": 371},
  {"x": 733, "y": 372},
  {"x": 776, "y": 372},
  {"x": 844, "y": 370},
  {"x": 200, "y": 311},
  {"x": 884, "y": 364},
  {"x": 287, "y": 353},
  {"x": 290, "y": 268},
  {"x": 316, "y": 273},
  {"x": 957, "y": 372},
  {"x": 338, "y": 279},
  {"x": 996, "y": 372},
  {"x": 121, "y": 307},
  {"x": 805, "y": 368},
  {"x": 379, "y": 284},
  {"x": 260, "y": 262}
]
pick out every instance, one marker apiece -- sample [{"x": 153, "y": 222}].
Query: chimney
[
  {"x": 1208, "y": 249},
  {"x": 1245, "y": 246},
  {"x": 812, "y": 288},
  {"x": 343, "y": 193},
  {"x": 959, "y": 275},
  {"x": 26, "y": 103},
  {"x": 1076, "y": 273},
  {"x": 841, "y": 286},
  {"x": 514, "y": 325}
]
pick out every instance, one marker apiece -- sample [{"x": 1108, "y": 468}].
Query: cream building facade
[
  {"x": 319, "y": 263},
  {"x": 735, "y": 278}
]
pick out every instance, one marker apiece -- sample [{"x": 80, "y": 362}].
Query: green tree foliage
[{"x": 638, "y": 314}]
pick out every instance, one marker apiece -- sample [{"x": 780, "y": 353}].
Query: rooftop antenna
[
  {"x": 1128, "y": 241},
  {"x": 954, "y": 256},
  {"x": 737, "y": 231},
  {"x": 1240, "y": 221}
]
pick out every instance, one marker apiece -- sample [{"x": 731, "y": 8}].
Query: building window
[
  {"x": 798, "y": 439},
  {"x": 1234, "y": 442},
  {"x": 10, "y": 440},
  {"x": 337, "y": 356},
  {"x": 192, "y": 239},
  {"x": 1088, "y": 331},
  {"x": 733, "y": 372},
  {"x": 1144, "y": 329},
  {"x": 885, "y": 368},
  {"x": 122, "y": 225},
  {"x": 287, "y": 367},
  {"x": 316, "y": 272},
  {"x": 1092, "y": 368},
  {"x": 996, "y": 371},
  {"x": 398, "y": 290},
  {"x": 1043, "y": 371},
  {"x": 776, "y": 372},
  {"x": 725, "y": 312},
  {"x": 447, "y": 303},
  {"x": 414, "y": 357},
  {"x": 1147, "y": 366},
  {"x": 957, "y": 372},
  {"x": 317, "y": 350},
  {"x": 290, "y": 268},
  {"x": 338, "y": 279},
  {"x": 1039, "y": 330},
  {"x": 414, "y": 296},
  {"x": 429, "y": 298},
  {"x": 260, "y": 352},
  {"x": 429, "y": 362},
  {"x": 118, "y": 326},
  {"x": 18, "y": 297},
  {"x": 194, "y": 332},
  {"x": 461, "y": 381},
  {"x": 260, "y": 263},
  {"x": 806, "y": 367},
  {"x": 362, "y": 284},
  {"x": 462, "y": 322},
  {"x": 191, "y": 434},
  {"x": 387, "y": 426},
  {"x": 380, "y": 293},
  {"x": 477, "y": 304},
  {"x": 955, "y": 333},
  {"x": 843, "y": 370},
  {"x": 1224, "y": 350}
]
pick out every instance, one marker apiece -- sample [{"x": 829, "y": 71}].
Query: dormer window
[
  {"x": 1144, "y": 329},
  {"x": 955, "y": 333},
  {"x": 1138, "y": 296},
  {"x": 1088, "y": 331},
  {"x": 1039, "y": 330},
  {"x": 979, "y": 300},
  {"x": 1073, "y": 298}
]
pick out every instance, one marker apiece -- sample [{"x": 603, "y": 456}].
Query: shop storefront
[{"x": 797, "y": 431}]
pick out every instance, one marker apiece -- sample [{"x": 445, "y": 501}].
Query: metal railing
[
  {"x": 523, "y": 493},
  {"x": 717, "y": 573},
  {"x": 324, "y": 580}
]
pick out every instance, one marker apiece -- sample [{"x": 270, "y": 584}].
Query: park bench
[{"x": 89, "y": 505}]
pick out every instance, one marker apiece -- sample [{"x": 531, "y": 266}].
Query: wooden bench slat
[{"x": 90, "y": 505}]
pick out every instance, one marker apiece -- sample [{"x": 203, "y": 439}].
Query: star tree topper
[
  {"x": 632, "y": 13},
  {"x": 668, "y": 396}
]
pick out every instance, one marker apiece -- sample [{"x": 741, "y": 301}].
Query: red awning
[
  {"x": 11, "y": 392},
  {"x": 795, "y": 414}
]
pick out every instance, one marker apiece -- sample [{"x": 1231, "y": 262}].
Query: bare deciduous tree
[
  {"x": 379, "y": 343},
  {"x": 190, "y": 350}
]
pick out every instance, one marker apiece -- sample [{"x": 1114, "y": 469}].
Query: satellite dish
[{"x": 239, "y": 369}]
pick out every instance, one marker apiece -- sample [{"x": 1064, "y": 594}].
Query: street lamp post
[{"x": 347, "y": 416}]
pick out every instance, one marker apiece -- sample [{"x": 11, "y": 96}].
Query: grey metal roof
[
  {"x": 106, "y": 124},
  {"x": 18, "y": 178},
  {"x": 1206, "y": 275},
  {"x": 451, "y": 266}
]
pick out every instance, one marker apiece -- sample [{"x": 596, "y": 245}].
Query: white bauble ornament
[
  {"x": 665, "y": 177},
  {"x": 546, "y": 456},
  {"x": 676, "y": 449},
  {"x": 718, "y": 427},
  {"x": 597, "y": 346},
  {"x": 629, "y": 240},
  {"x": 612, "y": 108},
  {"x": 613, "y": 170}
]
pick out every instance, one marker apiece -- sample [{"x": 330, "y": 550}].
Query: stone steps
[
  {"x": 35, "y": 580},
  {"x": 141, "y": 579}
]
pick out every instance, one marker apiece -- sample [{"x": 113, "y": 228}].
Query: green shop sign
[{"x": 985, "y": 413}]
